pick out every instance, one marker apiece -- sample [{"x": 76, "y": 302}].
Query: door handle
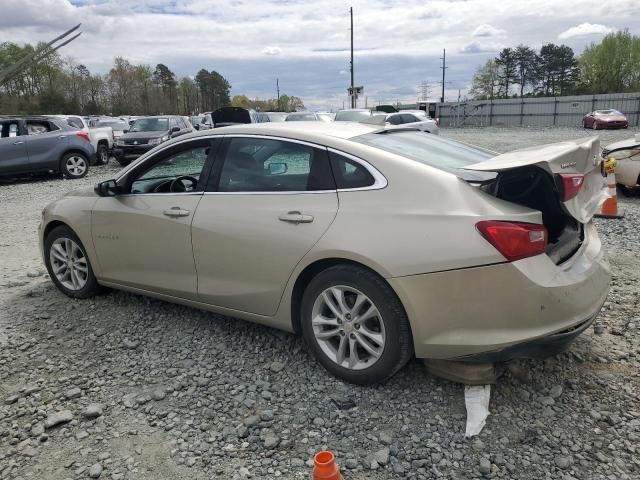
[
  {"x": 176, "y": 212},
  {"x": 62, "y": 137},
  {"x": 18, "y": 143},
  {"x": 296, "y": 217}
]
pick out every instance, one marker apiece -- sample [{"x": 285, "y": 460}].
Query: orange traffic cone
[
  {"x": 610, "y": 206},
  {"x": 325, "y": 467}
]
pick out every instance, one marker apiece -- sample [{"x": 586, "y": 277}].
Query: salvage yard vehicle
[
  {"x": 403, "y": 120},
  {"x": 353, "y": 115},
  {"x": 226, "y": 116},
  {"x": 599, "y": 119},
  {"x": 375, "y": 244},
  {"x": 39, "y": 144},
  {"x": 101, "y": 136},
  {"x": 627, "y": 155},
  {"x": 118, "y": 126},
  {"x": 302, "y": 117},
  {"x": 146, "y": 133}
]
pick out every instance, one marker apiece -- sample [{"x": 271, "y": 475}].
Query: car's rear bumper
[{"x": 506, "y": 310}]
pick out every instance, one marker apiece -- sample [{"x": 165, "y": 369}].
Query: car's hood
[
  {"x": 611, "y": 118},
  {"x": 81, "y": 192},
  {"x": 623, "y": 145},
  {"x": 142, "y": 135},
  {"x": 581, "y": 157}
]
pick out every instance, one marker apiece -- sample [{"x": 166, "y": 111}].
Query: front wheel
[
  {"x": 68, "y": 264},
  {"x": 74, "y": 165},
  {"x": 355, "y": 325},
  {"x": 594, "y": 125}
]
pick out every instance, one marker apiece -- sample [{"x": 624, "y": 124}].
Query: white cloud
[
  {"x": 271, "y": 50},
  {"x": 486, "y": 30},
  {"x": 481, "y": 47},
  {"x": 585, "y": 29}
]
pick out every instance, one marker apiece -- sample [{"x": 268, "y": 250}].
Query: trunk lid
[{"x": 571, "y": 157}]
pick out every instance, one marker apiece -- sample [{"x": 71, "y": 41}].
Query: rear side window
[
  {"x": 394, "y": 119},
  {"x": 408, "y": 118},
  {"x": 266, "y": 165},
  {"x": 37, "y": 127},
  {"x": 349, "y": 173}
]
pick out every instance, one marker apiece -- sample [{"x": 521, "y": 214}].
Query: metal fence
[{"x": 536, "y": 111}]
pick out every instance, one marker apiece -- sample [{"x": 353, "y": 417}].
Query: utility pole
[
  {"x": 353, "y": 96},
  {"x": 443, "y": 67},
  {"x": 278, "y": 92}
]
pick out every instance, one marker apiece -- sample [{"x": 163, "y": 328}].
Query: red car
[{"x": 604, "y": 119}]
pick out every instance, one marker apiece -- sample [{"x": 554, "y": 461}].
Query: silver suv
[{"x": 37, "y": 144}]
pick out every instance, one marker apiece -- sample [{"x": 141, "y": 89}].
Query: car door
[
  {"x": 45, "y": 144},
  {"x": 13, "y": 149},
  {"x": 142, "y": 236},
  {"x": 269, "y": 202}
]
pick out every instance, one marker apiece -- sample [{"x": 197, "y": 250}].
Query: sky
[{"x": 305, "y": 43}]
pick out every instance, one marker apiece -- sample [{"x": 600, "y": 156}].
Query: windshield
[
  {"x": 352, "y": 116},
  {"x": 150, "y": 125},
  {"x": 428, "y": 149},
  {"x": 197, "y": 119},
  {"x": 276, "y": 117},
  {"x": 608, "y": 112},
  {"x": 114, "y": 125},
  {"x": 301, "y": 117}
]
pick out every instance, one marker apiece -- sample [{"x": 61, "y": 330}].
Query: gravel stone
[
  {"x": 95, "y": 471},
  {"x": 382, "y": 456},
  {"x": 73, "y": 393},
  {"x": 276, "y": 366},
  {"x": 93, "y": 410},
  {"x": 562, "y": 462},
  {"x": 57, "y": 418}
]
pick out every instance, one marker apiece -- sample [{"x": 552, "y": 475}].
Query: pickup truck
[{"x": 101, "y": 137}]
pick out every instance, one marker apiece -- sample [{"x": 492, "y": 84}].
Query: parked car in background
[
  {"x": 353, "y": 115},
  {"x": 326, "y": 116},
  {"x": 404, "y": 120},
  {"x": 302, "y": 117},
  {"x": 118, "y": 126},
  {"x": 101, "y": 136},
  {"x": 37, "y": 144},
  {"x": 146, "y": 133},
  {"x": 600, "y": 119},
  {"x": 226, "y": 116},
  {"x": 627, "y": 155},
  {"x": 273, "y": 116},
  {"x": 201, "y": 122},
  {"x": 376, "y": 245}
]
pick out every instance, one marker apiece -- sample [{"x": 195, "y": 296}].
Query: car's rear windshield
[
  {"x": 150, "y": 125},
  {"x": 301, "y": 117},
  {"x": 352, "y": 116},
  {"x": 425, "y": 148}
]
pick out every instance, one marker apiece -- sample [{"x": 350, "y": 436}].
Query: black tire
[
  {"x": 398, "y": 343},
  {"x": 102, "y": 154},
  {"x": 91, "y": 287},
  {"x": 624, "y": 190},
  {"x": 74, "y": 165}
]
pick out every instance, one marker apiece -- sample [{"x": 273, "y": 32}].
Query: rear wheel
[
  {"x": 68, "y": 264},
  {"x": 102, "y": 154},
  {"x": 355, "y": 325},
  {"x": 74, "y": 165}
]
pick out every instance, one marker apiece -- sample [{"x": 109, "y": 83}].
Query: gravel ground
[{"x": 125, "y": 387}]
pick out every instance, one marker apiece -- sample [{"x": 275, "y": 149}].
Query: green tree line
[
  {"x": 61, "y": 85},
  {"x": 611, "y": 66}
]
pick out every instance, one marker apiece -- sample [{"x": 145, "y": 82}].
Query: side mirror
[
  {"x": 175, "y": 129},
  {"x": 278, "y": 168},
  {"x": 108, "y": 188},
  {"x": 197, "y": 126}
]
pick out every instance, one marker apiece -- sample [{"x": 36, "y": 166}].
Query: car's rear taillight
[
  {"x": 84, "y": 136},
  {"x": 514, "y": 240},
  {"x": 571, "y": 185}
]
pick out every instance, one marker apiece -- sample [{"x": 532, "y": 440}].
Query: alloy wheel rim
[
  {"x": 348, "y": 327},
  {"x": 104, "y": 155},
  {"x": 76, "y": 165},
  {"x": 69, "y": 264}
]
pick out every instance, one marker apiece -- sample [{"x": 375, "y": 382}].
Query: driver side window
[{"x": 177, "y": 173}]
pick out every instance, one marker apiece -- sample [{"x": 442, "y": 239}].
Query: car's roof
[{"x": 311, "y": 131}]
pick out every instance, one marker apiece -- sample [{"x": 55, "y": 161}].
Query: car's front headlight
[
  {"x": 120, "y": 142},
  {"x": 158, "y": 141}
]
